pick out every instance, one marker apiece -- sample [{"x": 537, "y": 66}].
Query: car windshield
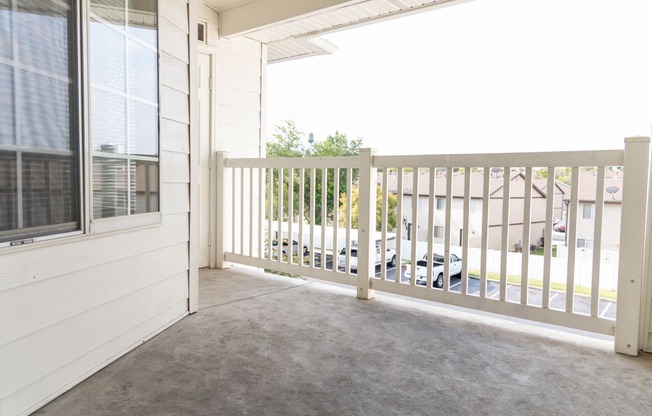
[
  {"x": 438, "y": 258},
  {"x": 354, "y": 252}
]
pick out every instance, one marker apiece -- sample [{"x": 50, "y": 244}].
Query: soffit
[{"x": 299, "y": 36}]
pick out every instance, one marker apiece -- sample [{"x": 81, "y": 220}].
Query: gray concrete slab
[{"x": 276, "y": 346}]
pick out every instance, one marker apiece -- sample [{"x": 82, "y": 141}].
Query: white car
[
  {"x": 437, "y": 269},
  {"x": 390, "y": 257}
]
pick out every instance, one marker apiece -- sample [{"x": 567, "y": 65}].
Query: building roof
[
  {"x": 588, "y": 182},
  {"x": 477, "y": 183}
]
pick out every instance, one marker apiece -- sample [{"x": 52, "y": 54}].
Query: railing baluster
[
  {"x": 465, "y": 233},
  {"x": 251, "y": 212},
  {"x": 324, "y": 206},
  {"x": 383, "y": 228},
  {"x": 448, "y": 228},
  {"x": 242, "y": 208},
  {"x": 281, "y": 208},
  {"x": 415, "y": 225},
  {"x": 431, "y": 224},
  {"x": 270, "y": 214},
  {"x": 349, "y": 184},
  {"x": 302, "y": 201},
  {"x": 525, "y": 245},
  {"x": 399, "y": 221},
  {"x": 261, "y": 210},
  {"x": 336, "y": 215},
  {"x": 291, "y": 217},
  {"x": 313, "y": 173},
  {"x": 504, "y": 249},
  {"x": 597, "y": 242},
  {"x": 233, "y": 209},
  {"x": 484, "y": 248},
  {"x": 547, "y": 250},
  {"x": 571, "y": 235}
]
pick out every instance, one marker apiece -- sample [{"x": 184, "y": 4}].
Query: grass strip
[{"x": 538, "y": 283}]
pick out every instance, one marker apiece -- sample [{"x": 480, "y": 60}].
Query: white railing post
[
  {"x": 366, "y": 224},
  {"x": 222, "y": 184},
  {"x": 632, "y": 245}
]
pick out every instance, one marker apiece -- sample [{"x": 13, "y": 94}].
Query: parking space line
[
  {"x": 606, "y": 308},
  {"x": 455, "y": 285}
]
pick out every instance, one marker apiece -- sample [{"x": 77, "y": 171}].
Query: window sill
[{"x": 106, "y": 225}]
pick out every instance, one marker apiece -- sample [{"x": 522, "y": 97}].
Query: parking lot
[{"x": 606, "y": 307}]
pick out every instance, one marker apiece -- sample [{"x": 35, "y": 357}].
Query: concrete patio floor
[{"x": 266, "y": 345}]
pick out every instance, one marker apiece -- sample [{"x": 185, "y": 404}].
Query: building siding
[{"x": 70, "y": 306}]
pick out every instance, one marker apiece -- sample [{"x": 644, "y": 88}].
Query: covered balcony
[{"x": 379, "y": 338}]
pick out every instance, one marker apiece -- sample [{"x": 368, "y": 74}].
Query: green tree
[
  {"x": 355, "y": 209},
  {"x": 288, "y": 141}
]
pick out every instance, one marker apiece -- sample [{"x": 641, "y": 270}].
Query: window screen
[{"x": 39, "y": 157}]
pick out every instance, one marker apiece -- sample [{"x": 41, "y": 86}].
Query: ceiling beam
[{"x": 263, "y": 13}]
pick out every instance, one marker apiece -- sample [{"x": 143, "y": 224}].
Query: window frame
[
  {"x": 129, "y": 221},
  {"x": 81, "y": 137},
  {"x": 440, "y": 203}
]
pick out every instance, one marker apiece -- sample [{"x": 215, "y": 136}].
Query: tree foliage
[
  {"x": 355, "y": 209},
  {"x": 288, "y": 141}
]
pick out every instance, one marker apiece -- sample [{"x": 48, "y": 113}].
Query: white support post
[
  {"x": 221, "y": 219},
  {"x": 366, "y": 224},
  {"x": 632, "y": 246}
]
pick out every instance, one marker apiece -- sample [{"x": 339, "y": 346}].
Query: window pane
[
  {"x": 113, "y": 11},
  {"x": 143, "y": 129},
  {"x": 143, "y": 78},
  {"x": 7, "y": 116},
  {"x": 49, "y": 196},
  {"x": 146, "y": 190},
  {"x": 108, "y": 122},
  {"x": 142, "y": 21},
  {"x": 44, "y": 112},
  {"x": 6, "y": 27},
  {"x": 107, "y": 57},
  {"x": 110, "y": 184},
  {"x": 8, "y": 200},
  {"x": 43, "y": 36}
]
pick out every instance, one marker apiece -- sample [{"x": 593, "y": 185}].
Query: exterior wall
[
  {"x": 610, "y": 230},
  {"x": 239, "y": 102},
  {"x": 70, "y": 306},
  {"x": 240, "y": 79}
]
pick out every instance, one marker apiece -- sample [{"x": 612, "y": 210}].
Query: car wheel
[
  {"x": 392, "y": 262},
  {"x": 439, "y": 282}
]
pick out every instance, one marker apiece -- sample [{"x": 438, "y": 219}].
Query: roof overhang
[{"x": 291, "y": 28}]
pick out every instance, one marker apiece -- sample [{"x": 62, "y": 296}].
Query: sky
[{"x": 479, "y": 77}]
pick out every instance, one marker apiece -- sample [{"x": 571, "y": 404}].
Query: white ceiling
[{"x": 292, "y": 38}]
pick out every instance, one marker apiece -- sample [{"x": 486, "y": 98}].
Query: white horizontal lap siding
[
  {"x": 69, "y": 307},
  {"x": 240, "y": 76}
]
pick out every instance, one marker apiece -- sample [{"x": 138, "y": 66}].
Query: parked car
[
  {"x": 390, "y": 256},
  {"x": 560, "y": 226},
  {"x": 437, "y": 269},
  {"x": 286, "y": 247}
]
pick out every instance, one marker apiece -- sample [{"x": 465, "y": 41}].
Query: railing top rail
[
  {"x": 294, "y": 162},
  {"x": 534, "y": 159}
]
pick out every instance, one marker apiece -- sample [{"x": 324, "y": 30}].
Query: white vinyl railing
[{"x": 264, "y": 201}]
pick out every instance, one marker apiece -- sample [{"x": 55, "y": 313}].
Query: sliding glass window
[
  {"x": 123, "y": 55},
  {"x": 39, "y": 146}
]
